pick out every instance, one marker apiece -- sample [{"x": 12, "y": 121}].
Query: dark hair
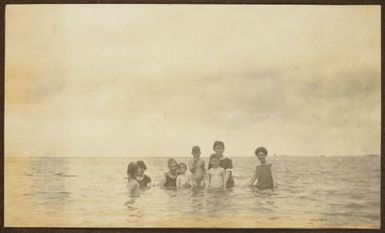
[
  {"x": 261, "y": 149},
  {"x": 195, "y": 149},
  {"x": 170, "y": 161},
  {"x": 141, "y": 164},
  {"x": 214, "y": 156},
  {"x": 131, "y": 170},
  {"x": 182, "y": 164},
  {"x": 218, "y": 143}
]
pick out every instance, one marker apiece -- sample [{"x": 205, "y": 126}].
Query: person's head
[
  {"x": 219, "y": 147},
  {"x": 261, "y": 154},
  {"x": 131, "y": 170},
  {"x": 214, "y": 161},
  {"x": 196, "y": 152},
  {"x": 172, "y": 165},
  {"x": 141, "y": 167},
  {"x": 182, "y": 168}
]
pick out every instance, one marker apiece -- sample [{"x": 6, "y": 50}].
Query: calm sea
[{"x": 91, "y": 192}]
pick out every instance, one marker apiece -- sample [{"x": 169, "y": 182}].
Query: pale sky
[{"x": 154, "y": 80}]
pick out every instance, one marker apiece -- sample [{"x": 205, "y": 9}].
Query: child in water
[
  {"x": 183, "y": 180},
  {"x": 262, "y": 173},
  {"x": 169, "y": 180},
  {"x": 143, "y": 180},
  {"x": 132, "y": 185},
  {"x": 224, "y": 162},
  {"x": 216, "y": 174},
  {"x": 197, "y": 168}
]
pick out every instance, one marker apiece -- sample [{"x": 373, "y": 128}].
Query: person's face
[
  {"x": 261, "y": 156},
  {"x": 140, "y": 171},
  {"x": 182, "y": 169},
  {"x": 173, "y": 167},
  {"x": 214, "y": 162},
  {"x": 219, "y": 149},
  {"x": 196, "y": 155}
]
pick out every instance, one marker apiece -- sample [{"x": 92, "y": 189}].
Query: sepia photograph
[{"x": 192, "y": 116}]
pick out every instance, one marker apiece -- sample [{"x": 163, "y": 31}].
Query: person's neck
[{"x": 263, "y": 162}]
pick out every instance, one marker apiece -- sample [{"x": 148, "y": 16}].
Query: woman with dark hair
[
  {"x": 143, "y": 180},
  {"x": 132, "y": 185},
  {"x": 224, "y": 162}
]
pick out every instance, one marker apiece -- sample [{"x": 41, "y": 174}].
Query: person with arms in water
[
  {"x": 169, "y": 180},
  {"x": 132, "y": 185},
  {"x": 262, "y": 174},
  {"x": 143, "y": 180},
  {"x": 183, "y": 180}
]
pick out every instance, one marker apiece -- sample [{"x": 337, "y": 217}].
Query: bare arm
[
  {"x": 274, "y": 177},
  {"x": 209, "y": 179},
  {"x": 163, "y": 181},
  {"x": 178, "y": 182},
  {"x": 229, "y": 168},
  {"x": 223, "y": 178},
  {"x": 205, "y": 176},
  {"x": 135, "y": 190},
  {"x": 226, "y": 178},
  {"x": 253, "y": 178},
  {"x": 191, "y": 166}
]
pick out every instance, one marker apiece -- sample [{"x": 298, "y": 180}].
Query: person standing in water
[
  {"x": 197, "y": 168},
  {"x": 143, "y": 180},
  {"x": 224, "y": 162},
  {"x": 216, "y": 174},
  {"x": 169, "y": 180},
  {"x": 132, "y": 185},
  {"x": 262, "y": 174},
  {"x": 183, "y": 180}
]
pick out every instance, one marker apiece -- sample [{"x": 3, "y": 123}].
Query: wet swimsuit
[
  {"x": 264, "y": 176},
  {"x": 170, "y": 182},
  {"x": 143, "y": 182}
]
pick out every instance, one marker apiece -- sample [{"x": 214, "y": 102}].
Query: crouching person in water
[
  {"x": 132, "y": 185},
  {"x": 262, "y": 174},
  {"x": 169, "y": 179}
]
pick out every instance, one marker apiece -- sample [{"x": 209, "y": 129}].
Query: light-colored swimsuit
[
  {"x": 183, "y": 181},
  {"x": 216, "y": 177}
]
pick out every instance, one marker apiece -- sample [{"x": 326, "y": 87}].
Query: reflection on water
[{"x": 310, "y": 192}]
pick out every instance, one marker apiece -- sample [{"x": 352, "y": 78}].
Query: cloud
[{"x": 95, "y": 80}]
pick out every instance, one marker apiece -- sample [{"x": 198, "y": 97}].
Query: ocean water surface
[{"x": 328, "y": 192}]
